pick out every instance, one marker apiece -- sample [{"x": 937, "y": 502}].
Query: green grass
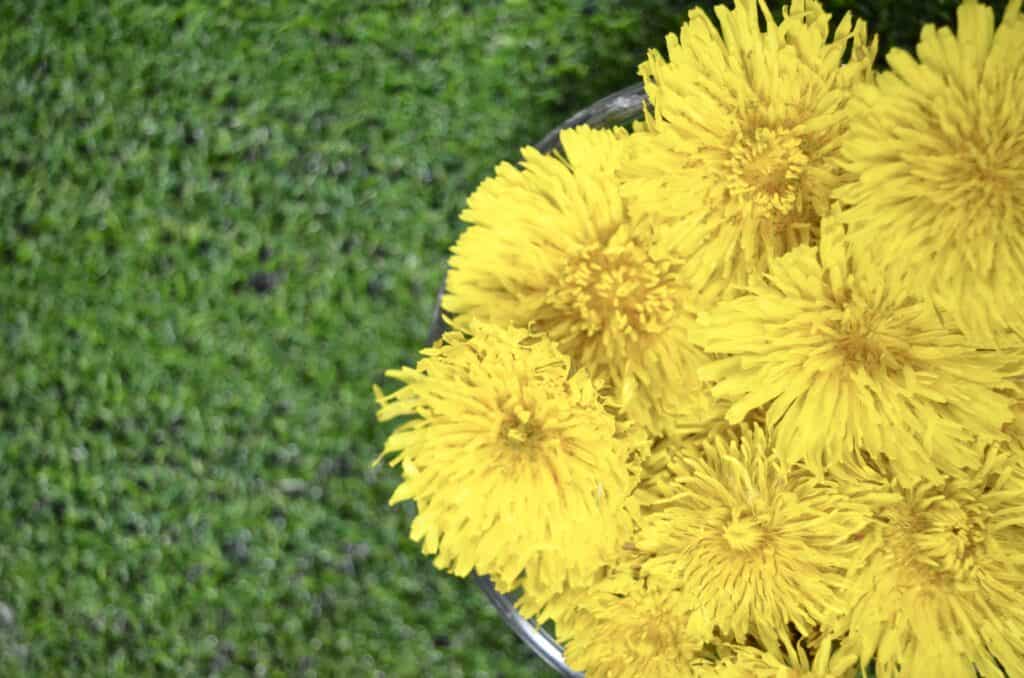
[{"x": 219, "y": 224}]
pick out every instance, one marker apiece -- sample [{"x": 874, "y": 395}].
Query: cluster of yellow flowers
[{"x": 740, "y": 391}]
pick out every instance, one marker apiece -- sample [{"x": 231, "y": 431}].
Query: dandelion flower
[
  {"x": 551, "y": 246},
  {"x": 942, "y": 589},
  {"x": 546, "y": 599},
  {"x": 842, "y": 361},
  {"x": 544, "y": 606},
  {"x": 936, "y": 147},
  {"x": 515, "y": 463},
  {"x": 659, "y": 471},
  {"x": 750, "y": 545},
  {"x": 793, "y": 662},
  {"x": 623, "y": 629},
  {"x": 658, "y": 477},
  {"x": 741, "y": 151},
  {"x": 564, "y": 608}
]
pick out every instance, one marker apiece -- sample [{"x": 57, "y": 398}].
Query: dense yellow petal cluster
[
  {"x": 515, "y": 463},
  {"x": 937, "y": 150},
  {"x": 790, "y": 661},
  {"x": 625, "y": 629},
  {"x": 941, "y": 591},
  {"x": 750, "y": 545},
  {"x": 843, "y": 362},
  {"x": 552, "y": 246},
  {"x": 740, "y": 393},
  {"x": 741, "y": 150}
]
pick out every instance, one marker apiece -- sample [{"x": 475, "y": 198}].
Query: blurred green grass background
[{"x": 220, "y": 223}]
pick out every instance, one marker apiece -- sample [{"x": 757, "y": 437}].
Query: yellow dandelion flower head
[
  {"x": 657, "y": 475},
  {"x": 545, "y": 599},
  {"x": 625, "y": 630},
  {"x": 936, "y": 149},
  {"x": 843, "y": 361},
  {"x": 551, "y": 246},
  {"x": 942, "y": 589},
  {"x": 514, "y": 461},
  {"x": 790, "y": 661},
  {"x": 563, "y": 607},
  {"x": 741, "y": 150},
  {"x": 560, "y": 608},
  {"x": 750, "y": 545}
]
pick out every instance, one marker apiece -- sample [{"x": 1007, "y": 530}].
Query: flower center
[
  {"x": 766, "y": 168},
  {"x": 859, "y": 348},
  {"x": 519, "y": 430},
  {"x": 620, "y": 287},
  {"x": 950, "y": 538},
  {"x": 743, "y": 533},
  {"x": 859, "y": 337},
  {"x": 989, "y": 182},
  {"x": 938, "y": 536}
]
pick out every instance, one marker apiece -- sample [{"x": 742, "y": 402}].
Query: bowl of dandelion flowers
[{"x": 736, "y": 388}]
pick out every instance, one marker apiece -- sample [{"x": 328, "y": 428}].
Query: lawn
[{"x": 219, "y": 223}]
